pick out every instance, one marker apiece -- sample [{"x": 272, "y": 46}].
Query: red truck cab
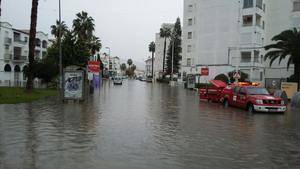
[{"x": 252, "y": 98}]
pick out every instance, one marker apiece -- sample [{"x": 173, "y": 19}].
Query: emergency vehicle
[{"x": 252, "y": 97}]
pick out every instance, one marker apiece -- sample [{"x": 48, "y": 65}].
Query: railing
[
  {"x": 8, "y": 40},
  {"x": 7, "y": 56},
  {"x": 20, "y": 41},
  {"x": 19, "y": 58}
]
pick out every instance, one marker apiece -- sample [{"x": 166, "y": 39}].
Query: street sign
[
  {"x": 94, "y": 66},
  {"x": 204, "y": 71}
]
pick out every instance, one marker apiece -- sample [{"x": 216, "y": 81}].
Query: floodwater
[{"x": 144, "y": 126}]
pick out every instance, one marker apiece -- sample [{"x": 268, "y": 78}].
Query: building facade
[
  {"x": 159, "y": 50},
  {"x": 14, "y": 48},
  {"x": 148, "y": 66},
  {"x": 229, "y": 35}
]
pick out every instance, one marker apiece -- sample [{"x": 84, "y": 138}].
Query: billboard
[
  {"x": 73, "y": 85},
  {"x": 204, "y": 71},
  {"x": 94, "y": 66}
]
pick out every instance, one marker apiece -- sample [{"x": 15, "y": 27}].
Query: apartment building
[
  {"x": 14, "y": 47},
  {"x": 159, "y": 50},
  {"x": 148, "y": 66},
  {"x": 229, "y": 35}
]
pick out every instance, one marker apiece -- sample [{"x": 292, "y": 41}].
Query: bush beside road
[{"x": 10, "y": 95}]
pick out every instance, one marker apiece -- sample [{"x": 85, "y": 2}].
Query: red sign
[
  {"x": 204, "y": 71},
  {"x": 94, "y": 66}
]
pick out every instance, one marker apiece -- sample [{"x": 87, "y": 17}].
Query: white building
[
  {"x": 159, "y": 50},
  {"x": 111, "y": 65},
  {"x": 225, "y": 35},
  {"x": 148, "y": 67},
  {"x": 14, "y": 48},
  {"x": 116, "y": 65}
]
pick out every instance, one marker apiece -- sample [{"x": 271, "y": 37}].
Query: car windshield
[{"x": 257, "y": 91}]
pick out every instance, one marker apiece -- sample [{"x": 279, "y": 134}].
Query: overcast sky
[{"x": 126, "y": 26}]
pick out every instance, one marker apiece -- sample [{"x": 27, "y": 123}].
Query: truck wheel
[
  {"x": 226, "y": 103},
  {"x": 251, "y": 108}
]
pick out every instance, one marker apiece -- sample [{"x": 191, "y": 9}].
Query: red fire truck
[
  {"x": 213, "y": 91},
  {"x": 251, "y": 97}
]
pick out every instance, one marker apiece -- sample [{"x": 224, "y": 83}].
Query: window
[
  {"x": 248, "y": 3},
  {"x": 296, "y": 6},
  {"x": 264, "y": 7},
  {"x": 243, "y": 91},
  {"x": 7, "y": 68},
  {"x": 258, "y": 20},
  {"x": 26, "y": 39},
  {"x": 190, "y": 35},
  {"x": 37, "y": 42},
  {"x": 190, "y": 8},
  {"x": 259, "y": 4},
  {"x": 261, "y": 76},
  {"x": 263, "y": 24},
  {"x": 256, "y": 56},
  {"x": 190, "y": 22},
  {"x": 6, "y": 47},
  {"x": 188, "y": 61},
  {"x": 189, "y": 48},
  {"x": 247, "y": 20},
  {"x": 246, "y": 57},
  {"x": 44, "y": 44},
  {"x": 17, "y": 37}
]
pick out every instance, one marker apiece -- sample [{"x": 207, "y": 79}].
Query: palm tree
[
  {"x": 287, "y": 46},
  {"x": 84, "y": 26},
  {"x": 0, "y": 8},
  {"x": 129, "y": 62},
  {"x": 123, "y": 67},
  {"x": 95, "y": 45},
  {"x": 34, "y": 11},
  {"x": 55, "y": 29},
  {"x": 165, "y": 32},
  {"x": 152, "y": 50}
]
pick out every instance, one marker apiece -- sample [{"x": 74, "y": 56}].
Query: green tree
[
  {"x": 152, "y": 50},
  {"x": 129, "y": 62},
  {"x": 95, "y": 45},
  {"x": 55, "y": 29},
  {"x": 123, "y": 67},
  {"x": 34, "y": 11},
  {"x": 165, "y": 32},
  {"x": 174, "y": 49},
  {"x": 287, "y": 46},
  {"x": 83, "y": 26}
]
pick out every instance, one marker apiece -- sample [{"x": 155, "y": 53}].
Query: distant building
[
  {"x": 148, "y": 67},
  {"x": 14, "y": 48},
  {"x": 159, "y": 51},
  {"x": 224, "y": 35},
  {"x": 111, "y": 65}
]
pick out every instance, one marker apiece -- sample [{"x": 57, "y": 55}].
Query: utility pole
[{"x": 60, "y": 53}]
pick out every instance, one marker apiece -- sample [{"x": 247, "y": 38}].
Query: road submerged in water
[{"x": 145, "y": 126}]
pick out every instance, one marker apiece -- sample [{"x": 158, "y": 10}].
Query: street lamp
[
  {"x": 108, "y": 58},
  {"x": 60, "y": 52}
]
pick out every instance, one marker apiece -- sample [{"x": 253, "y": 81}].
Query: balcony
[
  {"x": 7, "y": 56},
  {"x": 7, "y": 40},
  {"x": 20, "y": 42},
  {"x": 19, "y": 58}
]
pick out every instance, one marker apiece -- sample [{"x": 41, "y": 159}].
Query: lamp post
[
  {"x": 60, "y": 53},
  {"x": 108, "y": 59}
]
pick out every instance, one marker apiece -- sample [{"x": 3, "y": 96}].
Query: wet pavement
[{"x": 143, "y": 126}]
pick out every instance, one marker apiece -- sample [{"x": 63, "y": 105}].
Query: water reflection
[{"x": 141, "y": 125}]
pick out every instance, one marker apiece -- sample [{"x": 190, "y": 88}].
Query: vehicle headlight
[
  {"x": 259, "y": 102},
  {"x": 282, "y": 102}
]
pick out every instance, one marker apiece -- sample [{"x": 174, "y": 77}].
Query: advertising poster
[{"x": 73, "y": 85}]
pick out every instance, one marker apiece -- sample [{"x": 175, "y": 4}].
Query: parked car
[
  {"x": 252, "y": 98},
  {"x": 118, "y": 80}
]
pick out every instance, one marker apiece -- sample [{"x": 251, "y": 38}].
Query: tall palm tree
[
  {"x": 55, "y": 29},
  {"x": 287, "y": 46},
  {"x": 152, "y": 50},
  {"x": 95, "y": 45},
  {"x": 165, "y": 32},
  {"x": 34, "y": 11},
  {"x": 129, "y": 62},
  {"x": 84, "y": 26},
  {"x": 0, "y": 8}
]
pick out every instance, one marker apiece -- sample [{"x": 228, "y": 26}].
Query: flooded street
[{"x": 144, "y": 126}]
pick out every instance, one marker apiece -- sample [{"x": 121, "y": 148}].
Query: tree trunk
[
  {"x": 152, "y": 64},
  {"x": 297, "y": 73},
  {"x": 34, "y": 10},
  {"x": 164, "y": 58},
  {"x": 0, "y": 8}
]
